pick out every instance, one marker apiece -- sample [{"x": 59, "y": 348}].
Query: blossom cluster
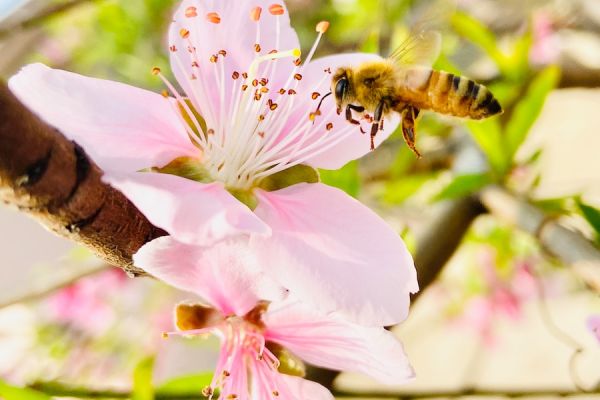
[{"x": 286, "y": 266}]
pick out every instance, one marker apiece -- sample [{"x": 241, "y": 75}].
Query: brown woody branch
[{"x": 53, "y": 180}]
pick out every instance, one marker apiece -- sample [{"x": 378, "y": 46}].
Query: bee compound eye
[{"x": 341, "y": 87}]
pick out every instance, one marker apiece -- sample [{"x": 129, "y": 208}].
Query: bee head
[{"x": 340, "y": 86}]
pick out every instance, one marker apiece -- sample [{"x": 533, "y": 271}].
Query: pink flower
[
  {"x": 235, "y": 60},
  {"x": 253, "y": 331},
  {"x": 593, "y": 324}
]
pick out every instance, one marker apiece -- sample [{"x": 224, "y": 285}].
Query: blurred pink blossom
[
  {"x": 501, "y": 296},
  {"x": 593, "y": 324},
  {"x": 546, "y": 45},
  {"x": 235, "y": 61},
  {"x": 230, "y": 279},
  {"x": 85, "y": 304}
]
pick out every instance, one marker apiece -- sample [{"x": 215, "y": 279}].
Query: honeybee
[{"x": 405, "y": 83}]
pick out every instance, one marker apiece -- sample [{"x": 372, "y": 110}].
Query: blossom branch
[{"x": 53, "y": 180}]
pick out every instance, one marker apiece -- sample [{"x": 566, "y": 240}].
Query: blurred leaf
[
  {"x": 555, "y": 206},
  {"x": 520, "y": 55},
  {"x": 371, "y": 43},
  {"x": 592, "y": 216},
  {"x": 185, "y": 384},
  {"x": 142, "y": 380},
  {"x": 488, "y": 135},
  {"x": 473, "y": 30},
  {"x": 397, "y": 191},
  {"x": 346, "y": 178},
  {"x": 463, "y": 185},
  {"x": 8, "y": 392},
  {"x": 528, "y": 109}
]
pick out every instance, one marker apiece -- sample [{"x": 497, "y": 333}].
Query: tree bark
[{"x": 53, "y": 180}]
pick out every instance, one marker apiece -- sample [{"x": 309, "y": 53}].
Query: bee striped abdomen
[{"x": 450, "y": 94}]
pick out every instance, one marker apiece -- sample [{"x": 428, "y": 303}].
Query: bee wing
[{"x": 420, "y": 48}]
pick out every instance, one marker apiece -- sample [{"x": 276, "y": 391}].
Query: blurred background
[{"x": 502, "y": 216}]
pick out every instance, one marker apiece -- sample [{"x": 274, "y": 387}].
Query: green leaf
[
  {"x": 396, "y": 192},
  {"x": 185, "y": 384},
  {"x": 8, "y": 392},
  {"x": 592, "y": 216},
  {"x": 473, "y": 30},
  {"x": 488, "y": 135},
  {"x": 556, "y": 205},
  {"x": 345, "y": 178},
  {"x": 463, "y": 185},
  {"x": 142, "y": 380},
  {"x": 528, "y": 109}
]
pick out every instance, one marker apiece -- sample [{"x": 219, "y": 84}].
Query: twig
[
  {"x": 71, "y": 272},
  {"x": 568, "y": 246},
  {"x": 49, "y": 12},
  {"x": 443, "y": 235},
  {"x": 52, "y": 179},
  {"x": 59, "y": 389}
]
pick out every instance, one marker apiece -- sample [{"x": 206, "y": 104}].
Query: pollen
[
  {"x": 255, "y": 14},
  {"x": 235, "y": 75},
  {"x": 264, "y": 90},
  {"x": 191, "y": 12},
  {"x": 275, "y": 393},
  {"x": 245, "y": 75},
  {"x": 173, "y": 48},
  {"x": 155, "y": 71},
  {"x": 223, "y": 53},
  {"x": 255, "y": 82},
  {"x": 214, "y": 58},
  {"x": 244, "y": 87},
  {"x": 276, "y": 9},
  {"x": 291, "y": 92},
  {"x": 213, "y": 17},
  {"x": 195, "y": 64},
  {"x": 298, "y": 77},
  {"x": 207, "y": 391},
  {"x": 297, "y": 62},
  {"x": 261, "y": 117},
  {"x": 210, "y": 131},
  {"x": 165, "y": 93},
  {"x": 261, "y": 134},
  {"x": 322, "y": 27},
  {"x": 329, "y": 126},
  {"x": 315, "y": 95},
  {"x": 282, "y": 91},
  {"x": 264, "y": 81},
  {"x": 184, "y": 33},
  {"x": 257, "y": 48}
]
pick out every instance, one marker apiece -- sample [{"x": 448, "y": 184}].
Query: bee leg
[
  {"x": 349, "y": 116},
  {"x": 408, "y": 128},
  {"x": 378, "y": 117}
]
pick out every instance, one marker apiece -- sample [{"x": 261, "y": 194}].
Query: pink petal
[
  {"x": 356, "y": 144},
  {"x": 192, "y": 212},
  {"x": 227, "y": 275},
  {"x": 593, "y": 324},
  {"x": 331, "y": 342},
  {"x": 294, "y": 388},
  {"x": 329, "y": 249},
  {"x": 121, "y": 127},
  {"x": 236, "y": 34}
]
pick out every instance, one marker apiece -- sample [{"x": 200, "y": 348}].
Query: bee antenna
[{"x": 318, "y": 110}]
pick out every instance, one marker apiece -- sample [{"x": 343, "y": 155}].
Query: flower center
[
  {"x": 245, "y": 364},
  {"x": 248, "y": 128}
]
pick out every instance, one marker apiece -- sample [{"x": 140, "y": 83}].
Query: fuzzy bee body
[{"x": 385, "y": 86}]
